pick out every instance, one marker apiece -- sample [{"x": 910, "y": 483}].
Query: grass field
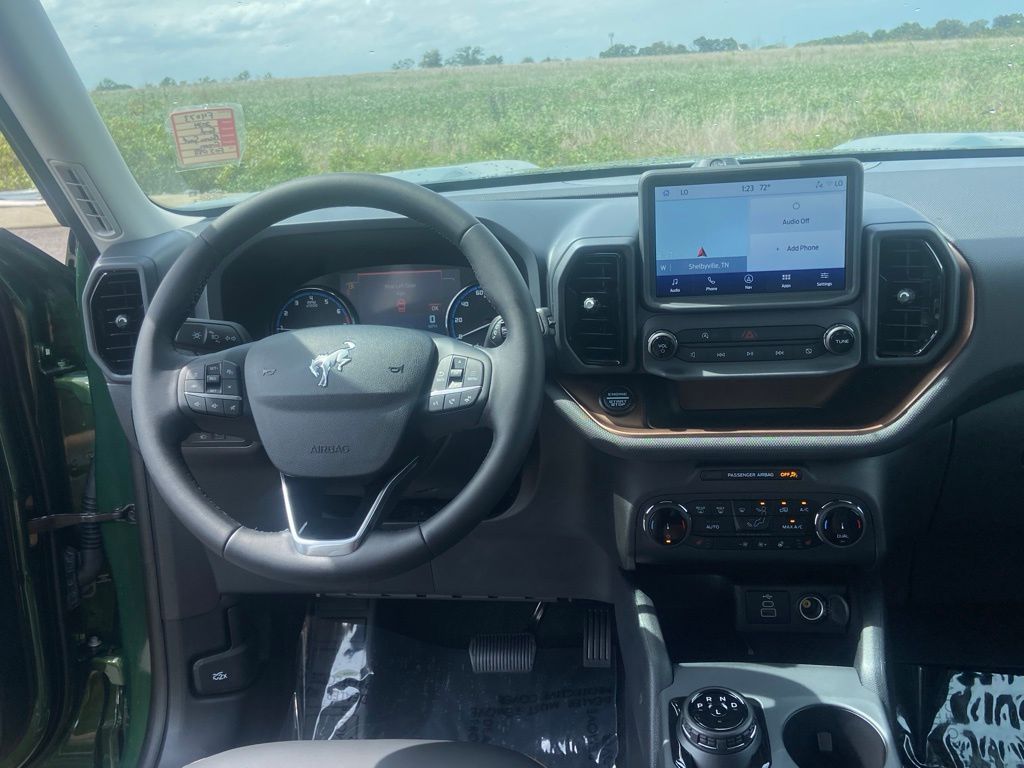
[{"x": 577, "y": 112}]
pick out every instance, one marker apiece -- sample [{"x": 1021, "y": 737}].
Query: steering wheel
[{"x": 348, "y": 406}]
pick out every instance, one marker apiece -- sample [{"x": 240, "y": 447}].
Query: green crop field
[{"x": 570, "y": 113}]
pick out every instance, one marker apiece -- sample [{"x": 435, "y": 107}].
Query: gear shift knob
[{"x": 718, "y": 728}]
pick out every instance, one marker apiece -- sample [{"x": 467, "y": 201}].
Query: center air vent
[
  {"x": 911, "y": 296},
  {"x": 117, "y": 310},
  {"x": 593, "y": 311}
]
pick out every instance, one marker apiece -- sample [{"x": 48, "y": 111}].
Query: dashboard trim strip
[{"x": 608, "y": 424}]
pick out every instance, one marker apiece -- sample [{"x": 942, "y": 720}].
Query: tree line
[{"x": 945, "y": 29}]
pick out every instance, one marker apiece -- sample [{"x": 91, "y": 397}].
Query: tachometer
[
  {"x": 470, "y": 315},
  {"x": 311, "y": 308}
]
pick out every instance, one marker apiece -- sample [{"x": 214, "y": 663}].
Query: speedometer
[
  {"x": 312, "y": 308},
  {"x": 470, "y": 315}
]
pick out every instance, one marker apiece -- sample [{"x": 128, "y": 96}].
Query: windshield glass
[{"x": 213, "y": 98}]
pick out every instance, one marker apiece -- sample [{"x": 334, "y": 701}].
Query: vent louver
[
  {"x": 595, "y": 322},
  {"x": 117, "y": 310},
  {"x": 911, "y": 294},
  {"x": 86, "y": 199}
]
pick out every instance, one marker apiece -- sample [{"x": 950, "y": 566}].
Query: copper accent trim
[{"x": 967, "y": 328}]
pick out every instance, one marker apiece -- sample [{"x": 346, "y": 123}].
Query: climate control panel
[{"x": 752, "y": 524}]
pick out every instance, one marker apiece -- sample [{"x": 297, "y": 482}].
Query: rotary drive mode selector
[{"x": 718, "y": 720}]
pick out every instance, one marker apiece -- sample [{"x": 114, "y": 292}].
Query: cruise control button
[
  {"x": 468, "y": 396},
  {"x": 228, "y": 370},
  {"x": 195, "y": 371},
  {"x": 228, "y": 386},
  {"x": 435, "y": 403},
  {"x": 474, "y": 376},
  {"x": 232, "y": 408},
  {"x": 215, "y": 406},
  {"x": 213, "y": 369},
  {"x": 196, "y": 403}
]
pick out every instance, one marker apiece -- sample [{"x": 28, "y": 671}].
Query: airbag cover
[{"x": 334, "y": 402}]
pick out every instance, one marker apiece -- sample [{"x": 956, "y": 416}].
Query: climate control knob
[
  {"x": 662, "y": 345},
  {"x": 667, "y": 522},
  {"x": 840, "y": 523},
  {"x": 840, "y": 339}
]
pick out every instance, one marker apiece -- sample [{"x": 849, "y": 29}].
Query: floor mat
[
  {"x": 373, "y": 683},
  {"x": 958, "y": 719}
]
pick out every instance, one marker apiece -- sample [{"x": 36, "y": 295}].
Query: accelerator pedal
[
  {"x": 508, "y": 653},
  {"x": 598, "y": 632}
]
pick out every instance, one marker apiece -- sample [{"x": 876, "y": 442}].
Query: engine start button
[
  {"x": 717, "y": 709},
  {"x": 617, "y": 400}
]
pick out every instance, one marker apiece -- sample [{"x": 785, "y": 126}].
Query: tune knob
[
  {"x": 840, "y": 523},
  {"x": 662, "y": 345},
  {"x": 840, "y": 339}
]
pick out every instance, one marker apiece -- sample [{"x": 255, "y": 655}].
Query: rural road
[{"x": 25, "y": 215}]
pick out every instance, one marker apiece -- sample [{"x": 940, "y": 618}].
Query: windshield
[{"x": 213, "y": 98}]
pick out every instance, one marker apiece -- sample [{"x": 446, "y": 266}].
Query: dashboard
[
  {"x": 807, "y": 383},
  {"x": 439, "y": 299}
]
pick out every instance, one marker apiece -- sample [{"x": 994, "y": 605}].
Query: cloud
[{"x": 142, "y": 42}]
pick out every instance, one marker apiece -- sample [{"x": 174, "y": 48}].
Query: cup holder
[{"x": 826, "y": 736}]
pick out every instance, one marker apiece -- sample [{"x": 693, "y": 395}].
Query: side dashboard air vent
[
  {"x": 117, "y": 308},
  {"x": 86, "y": 199},
  {"x": 594, "y": 315},
  {"x": 911, "y": 296}
]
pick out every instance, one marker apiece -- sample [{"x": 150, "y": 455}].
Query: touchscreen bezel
[{"x": 848, "y": 167}]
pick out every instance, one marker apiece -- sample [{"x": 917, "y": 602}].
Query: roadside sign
[{"x": 207, "y": 136}]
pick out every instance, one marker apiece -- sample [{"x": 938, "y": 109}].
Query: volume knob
[{"x": 661, "y": 345}]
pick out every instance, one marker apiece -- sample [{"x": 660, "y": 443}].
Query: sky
[{"x": 143, "y": 41}]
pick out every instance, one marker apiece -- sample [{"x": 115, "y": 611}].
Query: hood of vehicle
[{"x": 925, "y": 141}]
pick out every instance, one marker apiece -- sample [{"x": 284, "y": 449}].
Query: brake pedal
[
  {"x": 510, "y": 653},
  {"x": 598, "y": 632}
]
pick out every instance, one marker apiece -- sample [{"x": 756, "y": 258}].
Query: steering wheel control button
[
  {"x": 617, "y": 401},
  {"x": 840, "y": 339},
  {"x": 452, "y": 401},
  {"x": 840, "y": 523},
  {"x": 667, "y": 523},
  {"x": 435, "y": 404},
  {"x": 468, "y": 397},
  {"x": 196, "y": 403},
  {"x": 458, "y": 363},
  {"x": 474, "y": 376},
  {"x": 662, "y": 345},
  {"x": 213, "y": 389}
]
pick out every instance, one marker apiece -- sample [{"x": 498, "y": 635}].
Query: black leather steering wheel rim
[{"x": 513, "y": 406}]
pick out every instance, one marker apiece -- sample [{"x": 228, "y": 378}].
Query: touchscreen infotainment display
[{"x": 783, "y": 235}]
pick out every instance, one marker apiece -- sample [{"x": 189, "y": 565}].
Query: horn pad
[{"x": 334, "y": 402}]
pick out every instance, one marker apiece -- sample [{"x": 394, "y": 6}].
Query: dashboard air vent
[
  {"x": 86, "y": 199},
  {"x": 911, "y": 292},
  {"x": 117, "y": 310},
  {"x": 594, "y": 316}
]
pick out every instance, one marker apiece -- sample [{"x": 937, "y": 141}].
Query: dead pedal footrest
[
  {"x": 598, "y": 632},
  {"x": 509, "y": 653}
]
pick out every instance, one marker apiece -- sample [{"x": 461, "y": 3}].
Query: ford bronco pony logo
[{"x": 321, "y": 365}]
